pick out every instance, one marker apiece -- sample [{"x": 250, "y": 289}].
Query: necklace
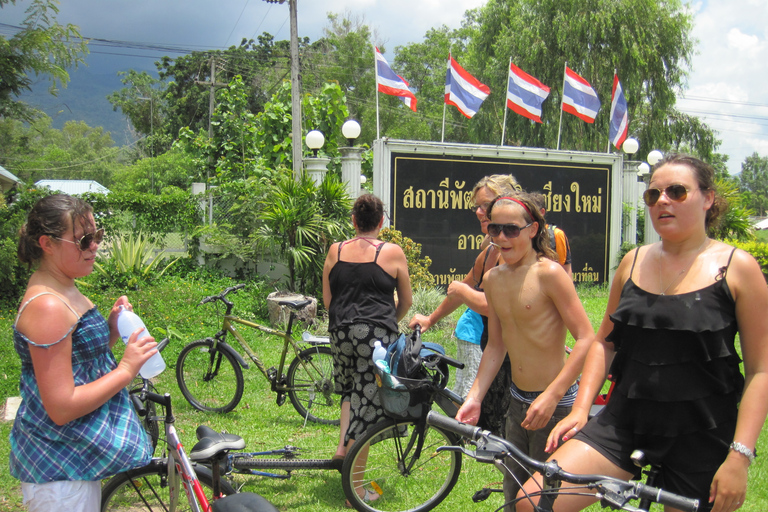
[{"x": 685, "y": 269}]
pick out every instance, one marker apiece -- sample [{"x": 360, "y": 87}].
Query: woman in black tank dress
[
  {"x": 360, "y": 278},
  {"x": 668, "y": 340}
]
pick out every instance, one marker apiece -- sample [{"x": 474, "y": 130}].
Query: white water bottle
[
  {"x": 127, "y": 323},
  {"x": 379, "y": 352}
]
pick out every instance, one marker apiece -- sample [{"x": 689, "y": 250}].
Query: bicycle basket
[{"x": 411, "y": 396}]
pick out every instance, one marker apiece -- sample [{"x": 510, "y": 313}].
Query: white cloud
[
  {"x": 742, "y": 42},
  {"x": 726, "y": 84}
]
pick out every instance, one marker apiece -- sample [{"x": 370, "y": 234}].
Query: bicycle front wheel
[
  {"x": 310, "y": 386},
  {"x": 209, "y": 378},
  {"x": 146, "y": 489},
  {"x": 386, "y": 460}
]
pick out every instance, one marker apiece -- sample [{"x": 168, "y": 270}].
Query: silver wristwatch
[{"x": 742, "y": 449}]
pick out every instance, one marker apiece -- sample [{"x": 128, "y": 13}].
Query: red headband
[{"x": 520, "y": 203}]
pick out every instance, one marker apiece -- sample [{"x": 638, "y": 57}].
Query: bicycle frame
[
  {"x": 228, "y": 326},
  {"x": 181, "y": 470}
]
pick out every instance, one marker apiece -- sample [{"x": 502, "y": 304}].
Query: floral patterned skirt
[{"x": 353, "y": 373}]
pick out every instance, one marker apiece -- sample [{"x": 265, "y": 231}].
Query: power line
[{"x": 729, "y": 102}]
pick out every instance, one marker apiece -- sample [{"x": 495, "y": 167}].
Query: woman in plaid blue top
[{"x": 75, "y": 425}]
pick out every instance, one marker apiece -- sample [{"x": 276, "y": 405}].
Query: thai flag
[
  {"x": 525, "y": 94},
  {"x": 391, "y": 83},
  {"x": 579, "y": 98},
  {"x": 619, "y": 117},
  {"x": 462, "y": 90}
]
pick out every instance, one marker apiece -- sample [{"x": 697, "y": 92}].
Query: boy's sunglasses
[
  {"x": 84, "y": 242},
  {"x": 676, "y": 193},
  {"x": 509, "y": 230}
]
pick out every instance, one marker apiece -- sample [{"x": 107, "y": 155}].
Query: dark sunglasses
[
  {"x": 676, "y": 193},
  {"x": 483, "y": 207},
  {"x": 509, "y": 230},
  {"x": 84, "y": 242}
]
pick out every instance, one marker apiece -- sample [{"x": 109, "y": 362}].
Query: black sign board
[{"x": 431, "y": 197}]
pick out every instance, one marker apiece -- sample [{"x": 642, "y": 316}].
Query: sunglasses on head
[
  {"x": 483, "y": 207},
  {"x": 509, "y": 230},
  {"x": 676, "y": 193},
  {"x": 84, "y": 242}
]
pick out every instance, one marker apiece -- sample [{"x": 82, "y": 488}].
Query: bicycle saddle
[
  {"x": 211, "y": 443},
  {"x": 297, "y": 302}
]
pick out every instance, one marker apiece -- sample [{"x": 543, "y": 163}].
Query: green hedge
[{"x": 757, "y": 249}]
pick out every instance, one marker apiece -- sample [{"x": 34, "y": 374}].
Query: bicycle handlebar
[
  {"x": 616, "y": 491},
  {"x": 222, "y": 296}
]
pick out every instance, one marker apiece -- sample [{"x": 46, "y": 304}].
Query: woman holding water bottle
[{"x": 75, "y": 425}]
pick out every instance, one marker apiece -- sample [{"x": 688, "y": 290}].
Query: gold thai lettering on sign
[
  {"x": 471, "y": 242},
  {"x": 586, "y": 275},
  {"x": 446, "y": 279},
  {"x": 443, "y": 198},
  {"x": 585, "y": 202},
  {"x": 582, "y": 203}
]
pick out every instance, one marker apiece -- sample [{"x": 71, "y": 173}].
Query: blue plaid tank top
[{"x": 102, "y": 443}]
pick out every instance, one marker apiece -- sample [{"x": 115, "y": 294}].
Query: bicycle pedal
[
  {"x": 481, "y": 495},
  {"x": 280, "y": 399},
  {"x": 272, "y": 373}
]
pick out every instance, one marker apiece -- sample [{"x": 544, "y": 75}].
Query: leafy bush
[
  {"x": 13, "y": 214},
  {"x": 757, "y": 249},
  {"x": 132, "y": 261},
  {"x": 300, "y": 221},
  {"x": 425, "y": 301},
  {"x": 418, "y": 267}
]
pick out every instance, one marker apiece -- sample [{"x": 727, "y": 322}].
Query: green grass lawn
[{"x": 171, "y": 307}]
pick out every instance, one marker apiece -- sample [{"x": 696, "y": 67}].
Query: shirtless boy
[{"x": 532, "y": 304}]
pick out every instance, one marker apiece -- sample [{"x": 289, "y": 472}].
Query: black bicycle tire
[
  {"x": 182, "y": 370},
  {"x": 296, "y": 368},
  {"x": 397, "y": 488},
  {"x": 158, "y": 468}
]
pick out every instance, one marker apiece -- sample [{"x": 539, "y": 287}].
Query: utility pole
[
  {"x": 211, "y": 106},
  {"x": 295, "y": 90},
  {"x": 295, "y": 93}
]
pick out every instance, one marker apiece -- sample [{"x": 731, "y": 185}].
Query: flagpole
[
  {"x": 504, "y": 123},
  {"x": 376, "y": 90},
  {"x": 448, "y": 70},
  {"x": 562, "y": 101},
  {"x": 608, "y": 148}
]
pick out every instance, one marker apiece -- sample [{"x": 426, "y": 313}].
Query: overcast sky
[{"x": 727, "y": 85}]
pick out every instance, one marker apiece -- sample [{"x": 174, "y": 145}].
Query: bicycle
[
  {"x": 157, "y": 486},
  {"x": 612, "y": 492},
  {"x": 209, "y": 371},
  {"x": 397, "y": 457}
]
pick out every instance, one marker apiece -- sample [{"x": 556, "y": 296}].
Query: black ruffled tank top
[
  {"x": 362, "y": 292},
  {"x": 676, "y": 367}
]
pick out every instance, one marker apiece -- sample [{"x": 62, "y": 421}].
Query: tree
[
  {"x": 142, "y": 102},
  {"x": 753, "y": 182},
  {"x": 41, "y": 47},
  {"x": 647, "y": 41},
  {"x": 38, "y": 151}
]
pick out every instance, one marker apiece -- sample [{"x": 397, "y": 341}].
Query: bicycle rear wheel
[
  {"x": 146, "y": 489},
  {"x": 310, "y": 386},
  {"x": 209, "y": 378},
  {"x": 384, "y": 460}
]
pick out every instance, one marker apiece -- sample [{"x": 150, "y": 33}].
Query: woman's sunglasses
[
  {"x": 84, "y": 242},
  {"x": 483, "y": 207},
  {"x": 676, "y": 193},
  {"x": 509, "y": 230}
]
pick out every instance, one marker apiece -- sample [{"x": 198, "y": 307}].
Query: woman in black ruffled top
[
  {"x": 360, "y": 279},
  {"x": 667, "y": 339}
]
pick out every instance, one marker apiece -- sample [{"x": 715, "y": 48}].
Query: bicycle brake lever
[{"x": 616, "y": 495}]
